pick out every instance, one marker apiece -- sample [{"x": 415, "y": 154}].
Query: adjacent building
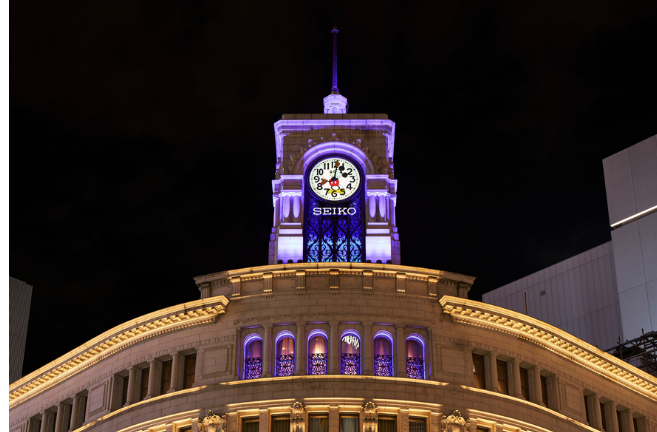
[
  {"x": 20, "y": 296},
  {"x": 607, "y": 294}
]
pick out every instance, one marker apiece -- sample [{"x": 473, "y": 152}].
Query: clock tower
[{"x": 334, "y": 193}]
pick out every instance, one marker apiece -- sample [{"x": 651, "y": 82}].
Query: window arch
[
  {"x": 383, "y": 358},
  {"x": 317, "y": 352},
  {"x": 252, "y": 356},
  {"x": 350, "y": 358},
  {"x": 415, "y": 356},
  {"x": 284, "y": 344}
]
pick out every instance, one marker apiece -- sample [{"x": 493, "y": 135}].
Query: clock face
[{"x": 334, "y": 179}]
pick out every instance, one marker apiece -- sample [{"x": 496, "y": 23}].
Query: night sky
[{"x": 142, "y": 144}]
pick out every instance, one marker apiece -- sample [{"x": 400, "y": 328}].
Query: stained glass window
[{"x": 334, "y": 230}]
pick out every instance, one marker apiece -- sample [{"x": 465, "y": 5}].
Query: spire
[
  {"x": 334, "y": 89},
  {"x": 335, "y": 103}
]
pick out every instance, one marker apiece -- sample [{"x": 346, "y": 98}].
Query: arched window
[
  {"x": 284, "y": 353},
  {"x": 415, "y": 356},
  {"x": 383, "y": 365},
  {"x": 350, "y": 359},
  {"x": 252, "y": 356},
  {"x": 317, "y": 353}
]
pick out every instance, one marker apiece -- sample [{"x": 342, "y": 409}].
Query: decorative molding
[
  {"x": 301, "y": 279},
  {"x": 297, "y": 417},
  {"x": 370, "y": 420},
  {"x": 113, "y": 341},
  {"x": 334, "y": 282},
  {"x": 237, "y": 285},
  {"x": 495, "y": 318},
  {"x": 401, "y": 283},
  {"x": 367, "y": 279},
  {"x": 454, "y": 422},
  {"x": 267, "y": 278},
  {"x": 432, "y": 286}
]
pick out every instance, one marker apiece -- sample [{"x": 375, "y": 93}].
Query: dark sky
[{"x": 142, "y": 143}]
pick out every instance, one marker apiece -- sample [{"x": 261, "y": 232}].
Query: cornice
[
  {"x": 113, "y": 341},
  {"x": 346, "y": 269},
  {"x": 564, "y": 344}
]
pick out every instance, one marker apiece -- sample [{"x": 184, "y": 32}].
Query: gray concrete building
[
  {"x": 20, "y": 296},
  {"x": 610, "y": 291}
]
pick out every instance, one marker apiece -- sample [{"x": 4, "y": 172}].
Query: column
[
  {"x": 75, "y": 412},
  {"x": 263, "y": 422},
  {"x": 401, "y": 351},
  {"x": 334, "y": 366},
  {"x": 60, "y": 417},
  {"x": 517, "y": 388},
  {"x": 266, "y": 351},
  {"x": 152, "y": 375},
  {"x": 628, "y": 421},
  {"x": 366, "y": 349},
  {"x": 614, "y": 418},
  {"x": 132, "y": 378},
  {"x": 301, "y": 355},
  {"x": 45, "y": 418},
  {"x": 334, "y": 419},
  {"x": 175, "y": 375},
  {"x": 538, "y": 391},
  {"x": 428, "y": 361},
  {"x": 491, "y": 362}
]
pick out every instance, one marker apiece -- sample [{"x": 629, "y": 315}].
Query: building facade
[
  {"x": 608, "y": 293},
  {"x": 347, "y": 340},
  {"x": 20, "y": 297}
]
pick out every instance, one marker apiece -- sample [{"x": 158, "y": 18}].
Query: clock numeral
[
  {"x": 319, "y": 171},
  {"x": 316, "y": 178},
  {"x": 319, "y": 186},
  {"x": 327, "y": 165},
  {"x": 349, "y": 186},
  {"x": 353, "y": 179}
]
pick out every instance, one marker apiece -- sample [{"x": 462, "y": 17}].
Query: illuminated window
[
  {"x": 318, "y": 423},
  {"x": 190, "y": 371},
  {"x": 416, "y": 425},
  {"x": 251, "y": 424},
  {"x": 502, "y": 377},
  {"x": 479, "y": 371},
  {"x": 280, "y": 424},
  {"x": 143, "y": 389},
  {"x": 383, "y": 364},
  {"x": 350, "y": 358},
  {"x": 387, "y": 424},
  {"x": 415, "y": 356},
  {"x": 252, "y": 357},
  {"x": 349, "y": 423},
  {"x": 284, "y": 354},
  {"x": 524, "y": 383},
  {"x": 166, "y": 377},
  {"x": 317, "y": 353}
]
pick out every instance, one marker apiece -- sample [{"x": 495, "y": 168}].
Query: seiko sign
[{"x": 318, "y": 211}]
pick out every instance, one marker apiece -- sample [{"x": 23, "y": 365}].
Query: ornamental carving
[
  {"x": 370, "y": 421},
  {"x": 212, "y": 422},
  {"x": 454, "y": 422},
  {"x": 380, "y": 164},
  {"x": 297, "y": 420}
]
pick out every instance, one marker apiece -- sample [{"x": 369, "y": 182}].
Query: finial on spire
[
  {"x": 334, "y": 88},
  {"x": 335, "y": 103}
]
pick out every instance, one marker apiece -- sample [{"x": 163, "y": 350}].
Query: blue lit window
[
  {"x": 415, "y": 356},
  {"x": 383, "y": 363},
  {"x": 284, "y": 354},
  {"x": 350, "y": 358},
  {"x": 317, "y": 353},
  {"x": 252, "y": 356}
]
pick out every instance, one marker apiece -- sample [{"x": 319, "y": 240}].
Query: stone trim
[
  {"x": 495, "y": 318},
  {"x": 115, "y": 340}
]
